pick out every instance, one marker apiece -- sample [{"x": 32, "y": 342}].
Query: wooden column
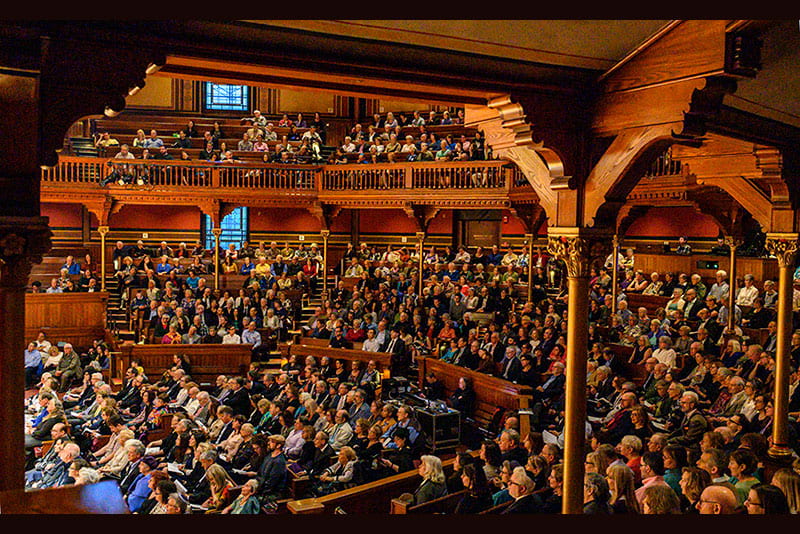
[
  {"x": 103, "y": 231},
  {"x": 733, "y": 244},
  {"x": 23, "y": 240},
  {"x": 325, "y": 235},
  {"x": 572, "y": 245},
  {"x": 529, "y": 237},
  {"x": 216, "y": 232},
  {"x": 615, "y": 275},
  {"x": 421, "y": 245},
  {"x": 784, "y": 247}
]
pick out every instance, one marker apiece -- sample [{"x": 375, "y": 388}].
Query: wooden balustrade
[{"x": 254, "y": 175}]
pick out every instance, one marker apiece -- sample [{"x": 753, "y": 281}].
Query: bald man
[{"x": 717, "y": 500}]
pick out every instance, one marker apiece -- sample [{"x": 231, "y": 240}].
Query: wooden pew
[
  {"x": 490, "y": 392},
  {"x": 382, "y": 359},
  {"x": 442, "y": 505},
  {"x": 102, "y": 497},
  {"x": 375, "y": 497},
  {"x": 207, "y": 361},
  {"x": 651, "y": 302}
]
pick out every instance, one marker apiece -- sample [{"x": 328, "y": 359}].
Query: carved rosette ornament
[
  {"x": 733, "y": 242},
  {"x": 783, "y": 247},
  {"x": 23, "y": 241}
]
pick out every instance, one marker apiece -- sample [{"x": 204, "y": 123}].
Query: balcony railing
[{"x": 495, "y": 175}]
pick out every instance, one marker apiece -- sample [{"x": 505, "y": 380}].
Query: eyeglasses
[{"x": 751, "y": 503}]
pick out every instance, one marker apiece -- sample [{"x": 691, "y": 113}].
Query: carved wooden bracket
[
  {"x": 421, "y": 214},
  {"x": 324, "y": 213},
  {"x": 531, "y": 215},
  {"x": 620, "y": 169},
  {"x": 704, "y": 107}
]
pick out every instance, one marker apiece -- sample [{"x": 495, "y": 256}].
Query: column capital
[
  {"x": 783, "y": 246},
  {"x": 102, "y": 230},
  {"x": 420, "y": 236},
  {"x": 217, "y": 232},
  {"x": 733, "y": 242},
  {"x": 325, "y": 233},
  {"x": 23, "y": 241},
  {"x": 576, "y": 247}
]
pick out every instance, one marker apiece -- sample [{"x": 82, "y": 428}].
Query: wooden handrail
[{"x": 494, "y": 174}]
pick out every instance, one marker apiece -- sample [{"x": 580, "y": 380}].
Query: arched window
[
  {"x": 234, "y": 229},
  {"x": 223, "y": 97}
]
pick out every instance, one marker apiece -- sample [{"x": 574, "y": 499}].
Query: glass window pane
[
  {"x": 227, "y": 97},
  {"x": 234, "y": 229}
]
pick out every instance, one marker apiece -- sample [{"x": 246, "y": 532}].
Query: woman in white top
[
  {"x": 665, "y": 353},
  {"x": 675, "y": 303}
]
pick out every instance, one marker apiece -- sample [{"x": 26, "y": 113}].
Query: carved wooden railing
[{"x": 496, "y": 175}]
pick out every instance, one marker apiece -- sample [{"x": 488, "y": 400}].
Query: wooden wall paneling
[
  {"x": 207, "y": 361},
  {"x": 77, "y": 318}
]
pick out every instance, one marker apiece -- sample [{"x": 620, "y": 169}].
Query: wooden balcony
[{"x": 102, "y": 181}]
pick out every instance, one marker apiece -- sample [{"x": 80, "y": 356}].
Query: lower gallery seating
[{"x": 338, "y": 418}]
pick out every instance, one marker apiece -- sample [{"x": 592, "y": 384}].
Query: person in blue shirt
[
  {"x": 247, "y": 267},
  {"x": 72, "y": 266},
  {"x": 192, "y": 280},
  {"x": 33, "y": 362},
  {"x": 139, "y": 489},
  {"x": 165, "y": 266},
  {"x": 403, "y": 421},
  {"x": 495, "y": 257}
]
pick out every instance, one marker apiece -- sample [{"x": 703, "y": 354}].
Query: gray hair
[
  {"x": 89, "y": 475},
  {"x": 136, "y": 445}
]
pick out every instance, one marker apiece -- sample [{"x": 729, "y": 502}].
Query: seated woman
[
  {"x": 478, "y": 497},
  {"x": 220, "y": 483},
  {"x": 433, "y": 481},
  {"x": 463, "y": 398},
  {"x": 339, "y": 476},
  {"x": 246, "y": 502}
]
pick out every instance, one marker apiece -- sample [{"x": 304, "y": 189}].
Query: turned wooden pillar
[
  {"x": 421, "y": 245},
  {"x": 23, "y": 240},
  {"x": 733, "y": 244},
  {"x": 325, "y": 235},
  {"x": 529, "y": 237},
  {"x": 615, "y": 275},
  {"x": 103, "y": 231},
  {"x": 572, "y": 245},
  {"x": 217, "y": 232},
  {"x": 784, "y": 248}
]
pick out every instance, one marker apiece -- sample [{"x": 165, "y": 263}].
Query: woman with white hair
[
  {"x": 87, "y": 475},
  {"x": 246, "y": 502},
  {"x": 433, "y": 483}
]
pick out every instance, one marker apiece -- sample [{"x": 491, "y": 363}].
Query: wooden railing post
[
  {"x": 319, "y": 176},
  {"x": 409, "y": 178},
  {"x": 215, "y": 177}
]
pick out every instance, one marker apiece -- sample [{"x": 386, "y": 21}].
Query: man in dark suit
[
  {"x": 225, "y": 414},
  {"x": 619, "y": 424},
  {"x": 692, "y": 305},
  {"x": 510, "y": 447},
  {"x": 323, "y": 454},
  {"x": 694, "y": 423},
  {"x": 521, "y": 487},
  {"x": 496, "y": 349},
  {"x": 239, "y": 398},
  {"x": 553, "y": 387},
  {"x": 467, "y": 356},
  {"x": 135, "y": 450},
  {"x": 511, "y": 366},
  {"x": 397, "y": 348}
]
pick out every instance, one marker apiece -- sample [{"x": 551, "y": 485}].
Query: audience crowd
[{"x": 680, "y": 410}]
